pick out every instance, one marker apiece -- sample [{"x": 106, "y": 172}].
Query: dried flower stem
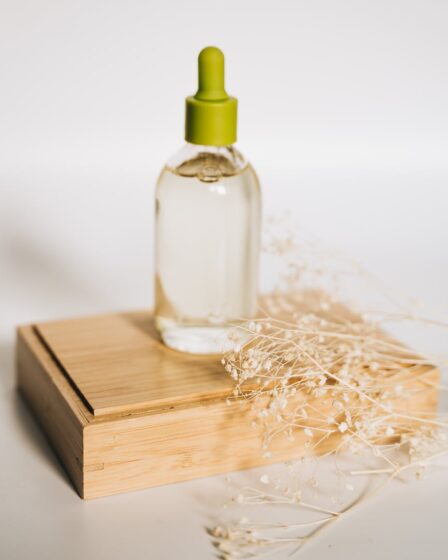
[{"x": 312, "y": 368}]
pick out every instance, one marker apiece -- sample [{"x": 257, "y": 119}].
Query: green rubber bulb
[{"x": 211, "y": 115}]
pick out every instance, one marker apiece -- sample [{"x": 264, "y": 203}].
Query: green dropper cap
[{"x": 211, "y": 115}]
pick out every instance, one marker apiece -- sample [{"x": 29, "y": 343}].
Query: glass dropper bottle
[{"x": 208, "y": 207}]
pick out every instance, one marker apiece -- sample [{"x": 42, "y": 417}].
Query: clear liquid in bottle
[{"x": 207, "y": 247}]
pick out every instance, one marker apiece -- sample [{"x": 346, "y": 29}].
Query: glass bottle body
[{"x": 208, "y": 208}]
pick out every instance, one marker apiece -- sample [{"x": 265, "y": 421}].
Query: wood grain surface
[
  {"x": 124, "y": 413},
  {"x": 118, "y": 364}
]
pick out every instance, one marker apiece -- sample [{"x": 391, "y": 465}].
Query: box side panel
[
  {"x": 53, "y": 402},
  {"x": 422, "y": 394},
  {"x": 202, "y": 440},
  {"x": 175, "y": 446}
]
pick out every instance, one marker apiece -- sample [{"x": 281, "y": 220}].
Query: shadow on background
[
  {"x": 42, "y": 276},
  {"x": 22, "y": 418}
]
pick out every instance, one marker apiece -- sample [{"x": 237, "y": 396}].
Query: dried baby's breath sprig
[
  {"x": 329, "y": 374},
  {"x": 318, "y": 373}
]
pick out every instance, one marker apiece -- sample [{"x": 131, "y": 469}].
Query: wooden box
[{"x": 123, "y": 412}]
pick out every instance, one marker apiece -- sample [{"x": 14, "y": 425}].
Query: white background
[{"x": 344, "y": 114}]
